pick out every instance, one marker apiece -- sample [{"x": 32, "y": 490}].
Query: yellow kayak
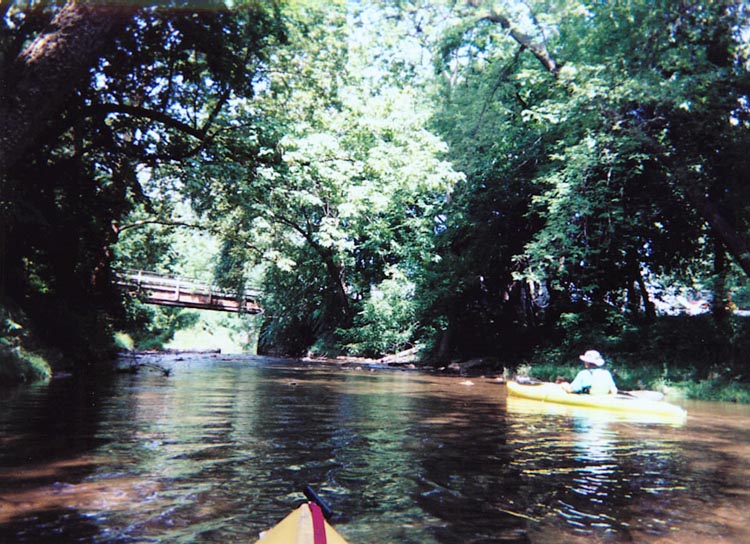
[
  {"x": 554, "y": 393},
  {"x": 305, "y": 525}
]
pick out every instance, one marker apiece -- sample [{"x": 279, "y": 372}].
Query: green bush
[
  {"x": 703, "y": 358},
  {"x": 717, "y": 389},
  {"x": 386, "y": 323},
  {"x": 124, "y": 341},
  {"x": 17, "y": 365},
  {"x": 17, "y": 362}
]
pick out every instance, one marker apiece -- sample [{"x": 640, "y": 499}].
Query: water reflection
[
  {"x": 612, "y": 480},
  {"x": 217, "y": 451}
]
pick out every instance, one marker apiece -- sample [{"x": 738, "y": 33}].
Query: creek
[{"x": 218, "y": 450}]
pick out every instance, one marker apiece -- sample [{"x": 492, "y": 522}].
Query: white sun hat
[{"x": 592, "y": 356}]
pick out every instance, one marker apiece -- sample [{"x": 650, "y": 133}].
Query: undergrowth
[
  {"x": 689, "y": 356},
  {"x": 19, "y": 365}
]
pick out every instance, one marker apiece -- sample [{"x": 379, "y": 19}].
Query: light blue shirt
[{"x": 598, "y": 380}]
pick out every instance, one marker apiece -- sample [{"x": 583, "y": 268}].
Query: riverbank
[
  {"x": 674, "y": 381},
  {"x": 630, "y": 373},
  {"x": 629, "y": 370},
  {"x": 20, "y": 366},
  {"x": 19, "y": 363}
]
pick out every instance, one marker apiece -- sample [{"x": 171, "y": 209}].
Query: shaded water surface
[{"x": 218, "y": 450}]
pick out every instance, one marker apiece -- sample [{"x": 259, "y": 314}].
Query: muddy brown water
[{"x": 218, "y": 450}]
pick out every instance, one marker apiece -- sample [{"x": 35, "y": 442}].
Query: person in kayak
[{"x": 592, "y": 380}]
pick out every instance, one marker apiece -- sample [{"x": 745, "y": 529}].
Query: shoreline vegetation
[
  {"x": 18, "y": 366},
  {"x": 681, "y": 359},
  {"x": 627, "y": 375}
]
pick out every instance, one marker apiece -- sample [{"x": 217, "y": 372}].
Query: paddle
[
  {"x": 313, "y": 497},
  {"x": 527, "y": 380},
  {"x": 644, "y": 395}
]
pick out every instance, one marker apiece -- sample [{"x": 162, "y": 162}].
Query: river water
[{"x": 218, "y": 450}]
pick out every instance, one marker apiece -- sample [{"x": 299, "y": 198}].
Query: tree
[
  {"x": 473, "y": 302},
  {"x": 621, "y": 125},
  {"x": 667, "y": 125},
  {"x": 39, "y": 77},
  {"x": 348, "y": 195},
  {"x": 89, "y": 107}
]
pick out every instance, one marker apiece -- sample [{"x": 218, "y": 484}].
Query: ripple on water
[{"x": 218, "y": 451}]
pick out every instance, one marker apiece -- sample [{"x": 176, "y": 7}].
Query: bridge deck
[{"x": 171, "y": 291}]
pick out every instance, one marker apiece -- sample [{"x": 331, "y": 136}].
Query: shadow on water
[
  {"x": 50, "y": 527},
  {"x": 47, "y": 432},
  {"x": 218, "y": 451}
]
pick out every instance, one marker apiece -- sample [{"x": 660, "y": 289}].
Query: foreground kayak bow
[{"x": 305, "y": 525}]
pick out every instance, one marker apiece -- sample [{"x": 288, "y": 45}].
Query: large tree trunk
[
  {"x": 39, "y": 81},
  {"x": 719, "y": 306},
  {"x": 648, "y": 305},
  {"x": 336, "y": 275},
  {"x": 736, "y": 243}
]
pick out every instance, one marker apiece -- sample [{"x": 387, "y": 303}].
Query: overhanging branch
[
  {"x": 536, "y": 47},
  {"x": 42, "y": 77},
  {"x": 186, "y": 224},
  {"x": 139, "y": 111}
]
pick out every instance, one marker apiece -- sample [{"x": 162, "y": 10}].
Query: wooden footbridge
[{"x": 166, "y": 290}]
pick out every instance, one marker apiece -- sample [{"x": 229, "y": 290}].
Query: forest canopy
[{"x": 515, "y": 180}]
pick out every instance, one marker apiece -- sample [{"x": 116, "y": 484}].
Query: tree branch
[
  {"x": 733, "y": 239},
  {"x": 184, "y": 224},
  {"x": 503, "y": 76},
  {"x": 48, "y": 70},
  {"x": 538, "y": 49},
  {"x": 737, "y": 244},
  {"x": 139, "y": 111}
]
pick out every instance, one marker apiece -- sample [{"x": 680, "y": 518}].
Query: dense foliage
[
  {"x": 134, "y": 88},
  {"x": 609, "y": 165},
  {"x": 344, "y": 216},
  {"x": 514, "y": 179}
]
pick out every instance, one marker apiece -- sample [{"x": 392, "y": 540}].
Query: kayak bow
[{"x": 305, "y": 525}]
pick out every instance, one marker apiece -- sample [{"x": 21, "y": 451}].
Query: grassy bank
[
  {"x": 629, "y": 378},
  {"x": 20, "y": 366},
  {"x": 18, "y": 363},
  {"x": 688, "y": 356}
]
